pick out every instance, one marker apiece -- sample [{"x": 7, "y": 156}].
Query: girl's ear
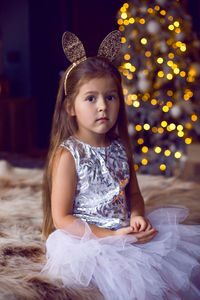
[{"x": 69, "y": 108}]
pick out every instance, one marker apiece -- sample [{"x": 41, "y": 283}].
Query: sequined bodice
[{"x": 102, "y": 175}]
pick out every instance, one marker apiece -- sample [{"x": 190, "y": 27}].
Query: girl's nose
[{"x": 102, "y": 105}]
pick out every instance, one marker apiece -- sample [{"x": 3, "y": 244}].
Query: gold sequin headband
[{"x": 75, "y": 52}]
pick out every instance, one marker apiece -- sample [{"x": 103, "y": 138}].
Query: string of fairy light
[{"x": 128, "y": 69}]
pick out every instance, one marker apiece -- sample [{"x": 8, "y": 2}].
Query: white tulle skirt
[{"x": 119, "y": 268}]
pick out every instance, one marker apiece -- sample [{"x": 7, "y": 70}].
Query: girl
[{"x": 98, "y": 238}]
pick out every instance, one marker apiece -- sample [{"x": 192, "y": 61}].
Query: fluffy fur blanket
[{"x": 22, "y": 253}]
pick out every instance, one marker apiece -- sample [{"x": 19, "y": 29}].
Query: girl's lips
[{"x": 102, "y": 119}]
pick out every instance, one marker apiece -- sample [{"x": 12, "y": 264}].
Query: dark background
[{"x": 31, "y": 55}]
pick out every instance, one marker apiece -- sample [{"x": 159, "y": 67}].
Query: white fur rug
[{"x": 22, "y": 253}]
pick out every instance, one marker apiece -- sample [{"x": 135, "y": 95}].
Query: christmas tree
[{"x": 161, "y": 71}]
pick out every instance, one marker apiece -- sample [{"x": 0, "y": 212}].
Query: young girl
[{"x": 98, "y": 237}]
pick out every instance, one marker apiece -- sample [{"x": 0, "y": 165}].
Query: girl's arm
[
  {"x": 63, "y": 193},
  {"x": 62, "y": 198},
  {"x": 136, "y": 204}
]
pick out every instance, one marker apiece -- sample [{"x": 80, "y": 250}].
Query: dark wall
[
  {"x": 90, "y": 20},
  {"x": 14, "y": 45}
]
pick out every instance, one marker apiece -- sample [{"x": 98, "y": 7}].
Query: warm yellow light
[
  {"x": 169, "y": 104},
  {"x": 172, "y": 126},
  {"x": 164, "y": 124},
  {"x": 157, "y": 7},
  {"x": 153, "y": 101},
  {"x": 127, "y": 56},
  {"x": 125, "y": 72},
  {"x": 180, "y": 133},
  {"x": 122, "y": 28},
  {"x": 182, "y": 74},
  {"x": 127, "y": 65},
  {"x": 170, "y": 93},
  {"x": 170, "y": 18},
  {"x": 190, "y": 79},
  {"x": 125, "y": 91},
  {"x": 126, "y": 22},
  {"x": 150, "y": 10},
  {"x": 160, "y": 60},
  {"x": 178, "y": 154},
  {"x": 157, "y": 149},
  {"x": 134, "y": 97},
  {"x": 147, "y": 53},
  {"x": 140, "y": 141},
  {"x": 132, "y": 69},
  {"x": 142, "y": 21},
  {"x": 168, "y": 128},
  {"x": 169, "y": 76},
  {"x": 171, "y": 27},
  {"x": 177, "y": 30},
  {"x": 123, "y": 40},
  {"x": 146, "y": 126},
  {"x": 160, "y": 130},
  {"x": 189, "y": 92},
  {"x": 194, "y": 118},
  {"x": 144, "y": 162},
  {"x": 131, "y": 20},
  {"x": 188, "y": 141},
  {"x": 128, "y": 101},
  {"x": 123, "y": 9},
  {"x": 161, "y": 74},
  {"x": 176, "y": 23},
  {"x": 176, "y": 70},
  {"x": 170, "y": 63},
  {"x": 163, "y": 167},
  {"x": 174, "y": 66},
  {"x": 183, "y": 48},
  {"x": 154, "y": 129},
  {"x": 163, "y": 12},
  {"x": 178, "y": 44},
  {"x": 179, "y": 127},
  {"x": 129, "y": 76},
  {"x": 145, "y": 97},
  {"x": 167, "y": 152},
  {"x": 145, "y": 149},
  {"x": 186, "y": 97},
  {"x": 138, "y": 127},
  {"x": 165, "y": 108},
  {"x": 171, "y": 55},
  {"x": 143, "y": 41},
  {"x": 192, "y": 72},
  {"x": 120, "y": 21},
  {"x": 136, "y": 103},
  {"x": 188, "y": 125},
  {"x": 126, "y": 5},
  {"x": 136, "y": 167},
  {"x": 124, "y": 15}
]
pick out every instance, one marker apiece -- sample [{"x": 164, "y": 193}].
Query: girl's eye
[
  {"x": 90, "y": 98},
  {"x": 111, "y": 97}
]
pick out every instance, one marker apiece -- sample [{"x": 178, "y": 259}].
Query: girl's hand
[
  {"x": 142, "y": 237},
  {"x": 145, "y": 236},
  {"x": 140, "y": 223}
]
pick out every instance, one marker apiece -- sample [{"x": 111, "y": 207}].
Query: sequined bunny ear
[
  {"x": 110, "y": 46},
  {"x": 73, "y": 47},
  {"x": 75, "y": 52}
]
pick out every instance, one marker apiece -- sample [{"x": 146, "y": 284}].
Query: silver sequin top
[{"x": 102, "y": 175}]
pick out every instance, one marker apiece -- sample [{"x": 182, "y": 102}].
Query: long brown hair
[{"x": 64, "y": 125}]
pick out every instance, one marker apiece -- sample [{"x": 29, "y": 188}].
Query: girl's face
[{"x": 96, "y": 108}]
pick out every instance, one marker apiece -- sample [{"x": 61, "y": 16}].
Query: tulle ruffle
[{"x": 165, "y": 268}]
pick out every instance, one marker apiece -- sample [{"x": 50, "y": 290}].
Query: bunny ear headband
[{"x": 75, "y": 52}]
